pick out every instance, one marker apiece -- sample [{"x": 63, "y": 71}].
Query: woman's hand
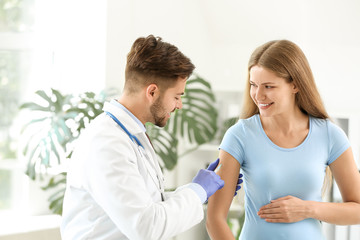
[{"x": 285, "y": 210}]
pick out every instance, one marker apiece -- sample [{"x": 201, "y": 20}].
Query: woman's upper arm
[
  {"x": 347, "y": 176},
  {"x": 220, "y": 202}
]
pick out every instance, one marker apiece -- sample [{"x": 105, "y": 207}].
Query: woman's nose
[{"x": 260, "y": 94}]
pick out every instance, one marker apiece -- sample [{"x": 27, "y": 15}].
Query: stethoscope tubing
[
  {"x": 142, "y": 151},
  {"x": 132, "y": 137}
]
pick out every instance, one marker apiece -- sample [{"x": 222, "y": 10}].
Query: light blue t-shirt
[{"x": 271, "y": 172}]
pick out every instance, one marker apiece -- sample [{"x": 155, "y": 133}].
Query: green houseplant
[{"x": 59, "y": 119}]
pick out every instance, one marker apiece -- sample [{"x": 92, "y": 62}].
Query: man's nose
[{"x": 179, "y": 104}]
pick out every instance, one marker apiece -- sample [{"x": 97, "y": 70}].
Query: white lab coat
[{"x": 112, "y": 189}]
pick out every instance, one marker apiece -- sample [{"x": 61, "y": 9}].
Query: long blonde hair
[{"x": 288, "y": 61}]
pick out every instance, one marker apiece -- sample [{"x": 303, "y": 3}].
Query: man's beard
[{"x": 158, "y": 113}]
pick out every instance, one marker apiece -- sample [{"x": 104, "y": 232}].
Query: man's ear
[{"x": 152, "y": 92}]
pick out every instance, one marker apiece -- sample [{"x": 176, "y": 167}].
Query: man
[{"x": 115, "y": 185}]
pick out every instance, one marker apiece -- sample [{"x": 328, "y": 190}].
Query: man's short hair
[{"x": 151, "y": 60}]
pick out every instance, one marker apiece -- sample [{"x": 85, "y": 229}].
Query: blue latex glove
[
  {"x": 208, "y": 179},
  {"x": 238, "y": 184}
]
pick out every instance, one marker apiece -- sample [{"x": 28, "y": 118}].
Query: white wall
[
  {"x": 219, "y": 37},
  {"x": 68, "y": 46}
]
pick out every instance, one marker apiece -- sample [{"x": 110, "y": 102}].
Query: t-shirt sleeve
[
  {"x": 338, "y": 142},
  {"x": 232, "y": 142}
]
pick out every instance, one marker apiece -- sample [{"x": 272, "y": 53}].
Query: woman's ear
[
  {"x": 295, "y": 88},
  {"x": 152, "y": 92}
]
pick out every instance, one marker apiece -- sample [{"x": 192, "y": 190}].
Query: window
[
  {"x": 16, "y": 26},
  {"x": 41, "y": 47}
]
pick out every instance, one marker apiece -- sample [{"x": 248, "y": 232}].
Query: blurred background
[{"x": 80, "y": 46}]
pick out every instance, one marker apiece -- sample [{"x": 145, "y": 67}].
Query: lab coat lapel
[
  {"x": 153, "y": 158},
  {"x": 151, "y": 161}
]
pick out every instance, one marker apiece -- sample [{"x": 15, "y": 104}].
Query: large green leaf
[
  {"x": 165, "y": 145},
  {"x": 34, "y": 107},
  {"x": 57, "y": 183},
  {"x": 197, "y": 120},
  {"x": 59, "y": 121}
]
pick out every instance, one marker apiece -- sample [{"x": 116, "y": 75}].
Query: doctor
[{"x": 115, "y": 187}]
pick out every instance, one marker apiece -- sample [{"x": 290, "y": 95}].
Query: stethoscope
[{"x": 142, "y": 151}]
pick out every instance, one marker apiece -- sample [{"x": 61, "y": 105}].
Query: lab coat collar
[
  {"x": 116, "y": 103},
  {"x": 124, "y": 117}
]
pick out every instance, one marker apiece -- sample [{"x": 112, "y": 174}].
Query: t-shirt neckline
[{"x": 281, "y": 148}]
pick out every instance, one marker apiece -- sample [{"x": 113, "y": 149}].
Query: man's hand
[{"x": 209, "y": 180}]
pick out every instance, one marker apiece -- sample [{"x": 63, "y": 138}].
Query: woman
[{"x": 283, "y": 143}]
